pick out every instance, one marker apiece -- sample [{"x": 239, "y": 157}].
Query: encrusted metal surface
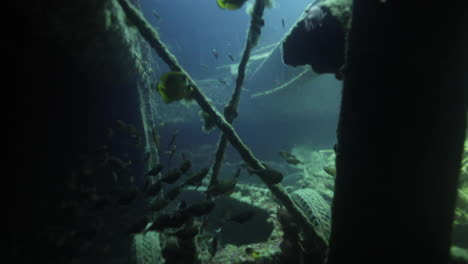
[
  {"x": 146, "y": 248},
  {"x": 316, "y": 209}
]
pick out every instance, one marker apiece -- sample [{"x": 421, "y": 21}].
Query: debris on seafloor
[{"x": 266, "y": 252}]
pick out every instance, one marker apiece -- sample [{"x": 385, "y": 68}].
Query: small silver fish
[
  {"x": 173, "y": 138},
  {"x": 214, "y": 247},
  {"x": 156, "y": 15},
  {"x": 222, "y": 81},
  {"x": 237, "y": 173}
]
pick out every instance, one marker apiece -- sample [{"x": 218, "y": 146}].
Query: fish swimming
[
  {"x": 200, "y": 208},
  {"x": 196, "y": 180},
  {"x": 146, "y": 156},
  {"x": 153, "y": 189},
  {"x": 172, "y": 176},
  {"x": 174, "y": 86},
  {"x": 282, "y": 22},
  {"x": 171, "y": 153},
  {"x": 169, "y": 221},
  {"x": 214, "y": 247},
  {"x": 222, "y": 81},
  {"x": 215, "y": 53},
  {"x": 156, "y": 137},
  {"x": 268, "y": 175},
  {"x": 119, "y": 164},
  {"x": 230, "y": 4},
  {"x": 237, "y": 173},
  {"x": 208, "y": 121},
  {"x": 182, "y": 205},
  {"x": 253, "y": 253},
  {"x": 173, "y": 137},
  {"x": 225, "y": 187},
  {"x": 156, "y": 15},
  {"x": 174, "y": 192},
  {"x": 232, "y": 58},
  {"x": 186, "y": 233},
  {"x": 330, "y": 171},
  {"x": 291, "y": 159},
  {"x": 185, "y": 166},
  {"x": 154, "y": 172},
  {"x": 204, "y": 66},
  {"x": 158, "y": 204},
  {"x": 284, "y": 154},
  {"x": 242, "y": 217}
]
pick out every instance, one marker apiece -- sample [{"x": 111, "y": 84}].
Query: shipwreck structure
[{"x": 404, "y": 99}]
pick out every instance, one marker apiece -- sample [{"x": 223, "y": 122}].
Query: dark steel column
[{"x": 400, "y": 135}]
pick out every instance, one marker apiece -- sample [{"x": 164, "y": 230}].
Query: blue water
[
  {"x": 192, "y": 29},
  {"x": 200, "y": 26}
]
